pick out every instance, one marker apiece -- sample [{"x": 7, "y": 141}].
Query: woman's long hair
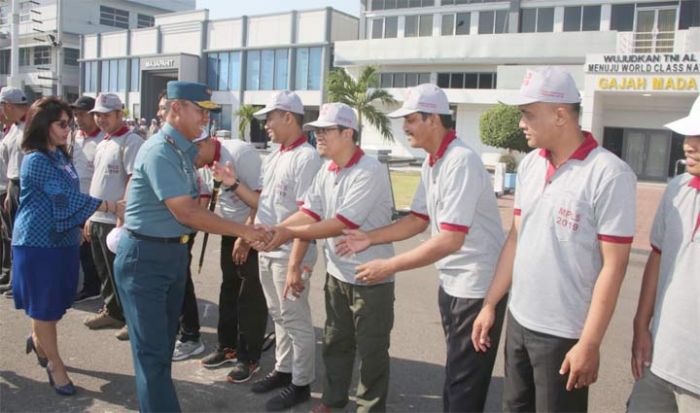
[{"x": 41, "y": 115}]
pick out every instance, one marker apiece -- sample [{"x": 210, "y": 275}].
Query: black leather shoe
[
  {"x": 43, "y": 361},
  {"x": 288, "y": 397},
  {"x": 273, "y": 380}
]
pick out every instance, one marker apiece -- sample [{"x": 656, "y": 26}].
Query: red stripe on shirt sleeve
[
  {"x": 204, "y": 196},
  {"x": 424, "y": 217},
  {"x": 615, "y": 239},
  {"x": 310, "y": 213},
  {"x": 517, "y": 212},
  {"x": 656, "y": 249},
  {"x": 300, "y": 203},
  {"x": 347, "y": 222},
  {"x": 454, "y": 227}
]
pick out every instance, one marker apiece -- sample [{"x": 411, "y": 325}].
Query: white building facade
[
  {"x": 49, "y": 37},
  {"x": 243, "y": 59},
  {"x": 635, "y": 62}
]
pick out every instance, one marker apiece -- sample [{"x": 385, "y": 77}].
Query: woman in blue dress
[{"x": 46, "y": 234}]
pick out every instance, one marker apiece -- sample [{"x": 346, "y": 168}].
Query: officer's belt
[{"x": 182, "y": 239}]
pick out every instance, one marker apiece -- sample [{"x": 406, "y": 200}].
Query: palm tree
[
  {"x": 361, "y": 94},
  {"x": 245, "y": 117}
]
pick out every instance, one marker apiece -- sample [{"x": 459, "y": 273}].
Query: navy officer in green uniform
[{"x": 152, "y": 256}]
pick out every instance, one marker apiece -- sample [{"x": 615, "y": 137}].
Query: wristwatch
[{"x": 233, "y": 187}]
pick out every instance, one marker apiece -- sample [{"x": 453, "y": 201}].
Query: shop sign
[
  {"x": 159, "y": 63},
  {"x": 638, "y": 83},
  {"x": 644, "y": 63}
]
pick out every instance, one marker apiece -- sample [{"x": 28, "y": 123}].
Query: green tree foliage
[
  {"x": 362, "y": 94},
  {"x": 498, "y": 127}
]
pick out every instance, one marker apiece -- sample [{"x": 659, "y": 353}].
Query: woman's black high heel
[
  {"x": 65, "y": 390},
  {"x": 43, "y": 361}
]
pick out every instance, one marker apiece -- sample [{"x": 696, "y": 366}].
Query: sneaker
[
  {"x": 102, "y": 320},
  {"x": 321, "y": 408},
  {"x": 273, "y": 380},
  {"x": 86, "y": 296},
  {"x": 288, "y": 397},
  {"x": 186, "y": 349},
  {"x": 5, "y": 287},
  {"x": 242, "y": 371},
  {"x": 8, "y": 293},
  {"x": 123, "y": 334},
  {"x": 219, "y": 357}
]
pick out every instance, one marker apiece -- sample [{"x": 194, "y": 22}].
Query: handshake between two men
[{"x": 267, "y": 237}]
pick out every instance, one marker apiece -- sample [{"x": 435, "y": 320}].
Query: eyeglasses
[
  {"x": 63, "y": 124},
  {"x": 324, "y": 131}
]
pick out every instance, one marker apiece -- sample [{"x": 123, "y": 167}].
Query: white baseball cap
[
  {"x": 12, "y": 95},
  {"x": 107, "y": 102},
  {"x": 548, "y": 84},
  {"x": 689, "y": 125},
  {"x": 203, "y": 135},
  {"x": 284, "y": 100},
  {"x": 334, "y": 114},
  {"x": 426, "y": 98}
]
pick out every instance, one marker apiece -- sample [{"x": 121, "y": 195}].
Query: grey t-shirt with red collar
[
  {"x": 359, "y": 195},
  {"x": 287, "y": 175},
  {"x": 675, "y": 234},
  {"x": 113, "y": 163},
  {"x": 565, "y": 213},
  {"x": 83, "y": 151},
  {"x": 455, "y": 194}
]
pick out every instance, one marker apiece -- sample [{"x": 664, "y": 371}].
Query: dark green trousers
[{"x": 358, "y": 318}]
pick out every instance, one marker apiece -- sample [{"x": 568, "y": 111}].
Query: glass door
[
  {"x": 647, "y": 153},
  {"x": 655, "y": 29}
]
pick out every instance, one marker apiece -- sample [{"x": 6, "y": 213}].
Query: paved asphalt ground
[{"x": 101, "y": 366}]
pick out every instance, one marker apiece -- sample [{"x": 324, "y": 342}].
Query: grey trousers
[{"x": 532, "y": 381}]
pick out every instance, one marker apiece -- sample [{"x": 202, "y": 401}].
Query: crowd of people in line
[{"x": 127, "y": 210}]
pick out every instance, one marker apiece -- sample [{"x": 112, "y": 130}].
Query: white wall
[
  {"x": 144, "y": 42},
  {"x": 311, "y": 26},
  {"x": 181, "y": 38},
  {"x": 522, "y": 48},
  {"x": 113, "y": 44},
  {"x": 182, "y": 17},
  {"x": 344, "y": 27},
  {"x": 189, "y": 68},
  {"x": 224, "y": 34},
  {"x": 270, "y": 30},
  {"x": 90, "y": 47}
]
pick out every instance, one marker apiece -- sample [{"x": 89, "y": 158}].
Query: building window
[
  {"x": 689, "y": 15},
  {"x": 145, "y": 20},
  {"x": 281, "y": 68},
  {"x": 109, "y": 16},
  {"x": 135, "y": 75},
  {"x": 581, "y": 18},
  {"x": 622, "y": 17},
  {"x": 114, "y": 74},
  {"x": 4, "y": 62},
  {"x": 308, "y": 68},
  {"x": 267, "y": 70},
  {"x": 493, "y": 21},
  {"x": 4, "y": 15},
  {"x": 24, "y": 56},
  {"x": 253, "y": 69},
  {"x": 466, "y": 80},
  {"x": 458, "y": 24},
  {"x": 399, "y": 80},
  {"x": 224, "y": 70},
  {"x": 90, "y": 76},
  {"x": 537, "y": 20},
  {"x": 400, "y": 4},
  {"x": 25, "y": 10},
  {"x": 418, "y": 25},
  {"x": 70, "y": 56},
  {"x": 42, "y": 55},
  {"x": 459, "y": 2},
  {"x": 391, "y": 25},
  {"x": 377, "y": 28}
]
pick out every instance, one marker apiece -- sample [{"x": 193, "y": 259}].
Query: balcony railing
[{"x": 654, "y": 42}]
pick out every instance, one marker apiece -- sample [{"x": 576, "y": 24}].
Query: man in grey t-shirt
[{"x": 666, "y": 345}]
